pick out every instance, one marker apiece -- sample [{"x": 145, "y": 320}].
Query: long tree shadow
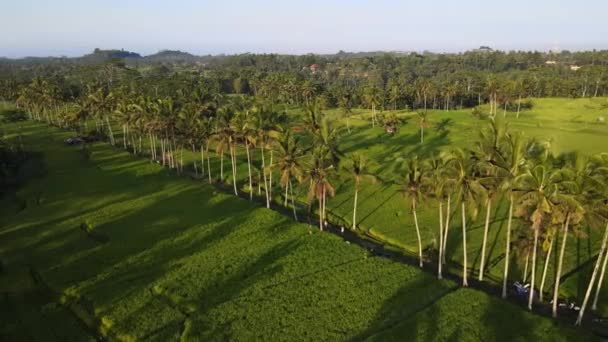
[
  {"x": 477, "y": 259},
  {"x": 231, "y": 288},
  {"x": 397, "y": 317},
  {"x": 371, "y": 212}
]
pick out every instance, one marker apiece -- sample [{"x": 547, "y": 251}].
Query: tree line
[
  {"x": 374, "y": 81},
  {"x": 548, "y": 195}
]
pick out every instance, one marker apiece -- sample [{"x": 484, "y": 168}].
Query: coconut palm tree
[
  {"x": 102, "y": 102},
  {"x": 422, "y": 123},
  {"x": 356, "y": 166},
  {"x": 599, "y": 209},
  {"x": 328, "y": 138},
  {"x": 372, "y": 96},
  {"x": 540, "y": 191},
  {"x": 573, "y": 181},
  {"x": 226, "y": 139},
  {"x": 249, "y": 134},
  {"x": 463, "y": 170},
  {"x": 414, "y": 186},
  {"x": 440, "y": 187},
  {"x": 601, "y": 254},
  {"x": 289, "y": 164},
  {"x": 317, "y": 175},
  {"x": 485, "y": 154},
  {"x": 509, "y": 161}
]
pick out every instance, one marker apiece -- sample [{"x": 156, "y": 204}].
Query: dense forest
[
  {"x": 173, "y": 101},
  {"x": 346, "y": 80}
]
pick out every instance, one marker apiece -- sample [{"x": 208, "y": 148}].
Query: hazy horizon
[{"x": 71, "y": 28}]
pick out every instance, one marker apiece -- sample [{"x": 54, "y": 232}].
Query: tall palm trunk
[
  {"x": 507, "y": 249},
  {"x": 526, "y": 267},
  {"x": 545, "y": 267},
  {"x": 446, "y": 227},
  {"x": 293, "y": 201},
  {"x": 270, "y": 176},
  {"x": 124, "y": 136},
  {"x": 355, "y": 204},
  {"x": 465, "y": 283},
  {"x": 485, "y": 240},
  {"x": 249, "y": 171},
  {"x": 324, "y": 204},
  {"x": 181, "y": 159},
  {"x": 233, "y": 160},
  {"x": 110, "y": 130},
  {"x": 417, "y": 232},
  {"x": 440, "y": 259},
  {"x": 202, "y": 161},
  {"x": 518, "y": 106},
  {"x": 133, "y": 146},
  {"x": 264, "y": 176},
  {"x": 559, "y": 267},
  {"x": 579, "y": 319},
  {"x": 321, "y": 213},
  {"x": 151, "y": 146},
  {"x": 208, "y": 162},
  {"x": 421, "y": 134},
  {"x": 162, "y": 150},
  {"x": 600, "y": 281},
  {"x": 373, "y": 115},
  {"x": 222, "y": 166},
  {"x": 533, "y": 277}
]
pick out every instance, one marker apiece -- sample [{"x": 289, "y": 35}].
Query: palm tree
[
  {"x": 548, "y": 240},
  {"x": 599, "y": 210},
  {"x": 486, "y": 150},
  {"x": 469, "y": 191},
  {"x": 590, "y": 175},
  {"x": 356, "y": 165},
  {"x": 540, "y": 190},
  {"x": 422, "y": 123},
  {"x": 373, "y": 98},
  {"x": 601, "y": 254},
  {"x": 317, "y": 175},
  {"x": 572, "y": 182},
  {"x": 206, "y": 132},
  {"x": 327, "y": 137},
  {"x": 441, "y": 187},
  {"x": 289, "y": 165},
  {"x": 102, "y": 102},
  {"x": 267, "y": 123},
  {"x": 492, "y": 91},
  {"x": 415, "y": 186},
  {"x": 249, "y": 135},
  {"x": 509, "y": 161},
  {"x": 227, "y": 138}
]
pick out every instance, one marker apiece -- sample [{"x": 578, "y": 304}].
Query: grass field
[
  {"x": 570, "y": 125},
  {"x": 166, "y": 258}
]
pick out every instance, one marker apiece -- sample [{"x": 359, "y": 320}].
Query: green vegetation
[
  {"x": 499, "y": 185},
  {"x": 184, "y": 260}
]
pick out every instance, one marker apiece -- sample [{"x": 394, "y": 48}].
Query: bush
[
  {"x": 478, "y": 113},
  {"x": 524, "y": 105},
  {"x": 13, "y": 115},
  {"x": 95, "y": 135},
  {"x": 86, "y": 227}
]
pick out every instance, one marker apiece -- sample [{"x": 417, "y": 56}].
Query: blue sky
[{"x": 74, "y": 27}]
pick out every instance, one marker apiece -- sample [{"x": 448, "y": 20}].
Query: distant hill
[
  {"x": 171, "y": 56},
  {"x": 99, "y": 55}
]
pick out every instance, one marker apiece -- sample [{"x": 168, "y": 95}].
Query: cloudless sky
[{"x": 75, "y": 27}]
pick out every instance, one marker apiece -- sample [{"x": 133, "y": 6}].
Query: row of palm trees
[{"x": 546, "y": 194}]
